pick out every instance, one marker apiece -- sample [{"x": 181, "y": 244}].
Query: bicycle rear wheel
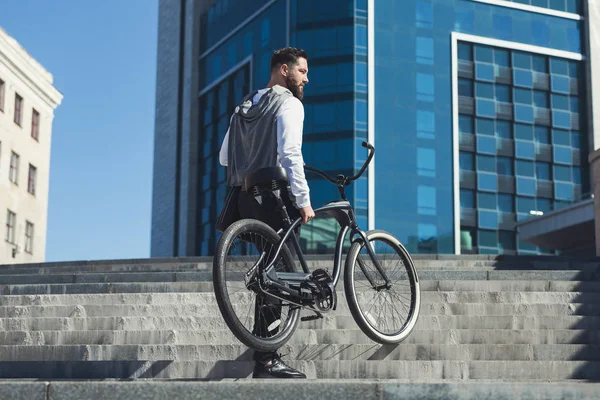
[
  {"x": 259, "y": 322},
  {"x": 386, "y": 316}
]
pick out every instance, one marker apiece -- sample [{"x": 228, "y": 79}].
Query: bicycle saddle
[{"x": 265, "y": 176}]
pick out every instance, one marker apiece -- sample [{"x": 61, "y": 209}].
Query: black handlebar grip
[{"x": 367, "y": 145}]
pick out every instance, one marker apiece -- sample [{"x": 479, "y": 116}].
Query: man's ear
[{"x": 283, "y": 68}]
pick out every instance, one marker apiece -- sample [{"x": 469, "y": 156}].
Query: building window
[
  {"x": 526, "y": 146},
  {"x": 32, "y": 179},
  {"x": 13, "y": 173},
  {"x": 2, "y": 89},
  {"x": 28, "y": 237},
  {"x": 11, "y": 222},
  {"x": 18, "y": 109},
  {"x": 35, "y": 125}
]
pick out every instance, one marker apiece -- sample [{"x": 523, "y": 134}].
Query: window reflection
[
  {"x": 486, "y": 108},
  {"x": 563, "y": 191},
  {"x": 504, "y": 166},
  {"x": 426, "y": 200},
  {"x": 502, "y": 27},
  {"x": 562, "y": 173},
  {"x": 561, "y": 119},
  {"x": 424, "y": 14},
  {"x": 485, "y": 126},
  {"x": 526, "y": 186},
  {"x": 487, "y": 182},
  {"x": 487, "y": 201},
  {"x": 488, "y": 219},
  {"x": 426, "y": 162},
  {"x": 540, "y": 33},
  {"x": 484, "y": 54},
  {"x": 484, "y": 72},
  {"x": 525, "y": 168},
  {"x": 486, "y": 145},
  {"x": 464, "y": 20},
  {"x": 424, "y": 50},
  {"x": 560, "y": 84},
  {"x": 467, "y": 198},
  {"x": 524, "y": 149},
  {"x": 465, "y": 87},
  {"x": 425, "y": 87},
  {"x": 465, "y": 52},
  {"x": 506, "y": 203},
  {"x": 542, "y": 170},
  {"x": 563, "y": 155}
]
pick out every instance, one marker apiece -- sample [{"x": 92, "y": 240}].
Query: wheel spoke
[{"x": 386, "y": 311}]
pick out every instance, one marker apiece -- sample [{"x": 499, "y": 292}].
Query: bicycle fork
[{"x": 387, "y": 285}]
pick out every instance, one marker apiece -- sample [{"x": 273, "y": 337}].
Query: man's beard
[{"x": 297, "y": 90}]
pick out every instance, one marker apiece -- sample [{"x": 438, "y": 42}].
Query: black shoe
[{"x": 277, "y": 369}]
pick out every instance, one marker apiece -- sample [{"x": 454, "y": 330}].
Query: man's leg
[{"x": 267, "y": 311}]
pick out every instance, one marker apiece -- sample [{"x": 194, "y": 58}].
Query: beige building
[{"x": 27, "y": 102}]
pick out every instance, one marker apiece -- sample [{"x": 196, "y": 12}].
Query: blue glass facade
[
  {"x": 414, "y": 184},
  {"x": 334, "y": 35},
  {"x": 228, "y": 73},
  {"x": 518, "y": 141},
  {"x": 335, "y": 105},
  {"x": 570, "y": 6}
]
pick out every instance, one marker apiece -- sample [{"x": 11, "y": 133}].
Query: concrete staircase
[{"x": 482, "y": 319}]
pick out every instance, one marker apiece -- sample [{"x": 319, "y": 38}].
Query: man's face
[{"x": 297, "y": 77}]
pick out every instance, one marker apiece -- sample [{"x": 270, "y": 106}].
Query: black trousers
[{"x": 266, "y": 311}]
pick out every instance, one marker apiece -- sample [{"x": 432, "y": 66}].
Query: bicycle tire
[
  {"x": 365, "y": 322},
  {"x": 248, "y": 226}
]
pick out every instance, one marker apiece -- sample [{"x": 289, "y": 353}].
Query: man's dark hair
[{"x": 287, "y": 55}]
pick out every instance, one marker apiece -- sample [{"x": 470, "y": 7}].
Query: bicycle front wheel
[{"x": 387, "y": 315}]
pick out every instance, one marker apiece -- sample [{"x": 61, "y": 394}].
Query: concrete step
[
  {"x": 209, "y": 307},
  {"x": 206, "y": 275},
  {"x": 120, "y": 277},
  {"x": 346, "y": 369},
  {"x": 493, "y": 288},
  {"x": 421, "y": 261},
  {"x": 302, "y": 336},
  {"x": 366, "y": 389},
  {"x": 105, "y": 268},
  {"x": 314, "y": 352},
  {"x": 329, "y": 322},
  {"x": 206, "y": 297},
  {"x": 133, "y": 268},
  {"x": 508, "y": 286}
]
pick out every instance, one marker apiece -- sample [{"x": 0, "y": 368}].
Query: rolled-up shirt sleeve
[{"x": 290, "y": 121}]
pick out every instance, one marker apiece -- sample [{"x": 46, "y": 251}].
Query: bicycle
[{"x": 280, "y": 293}]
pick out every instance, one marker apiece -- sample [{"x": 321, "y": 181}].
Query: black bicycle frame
[{"x": 343, "y": 212}]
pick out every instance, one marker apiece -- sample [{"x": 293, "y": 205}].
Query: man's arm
[{"x": 290, "y": 121}]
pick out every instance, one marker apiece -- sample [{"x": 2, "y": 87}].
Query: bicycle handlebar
[{"x": 366, "y": 145}]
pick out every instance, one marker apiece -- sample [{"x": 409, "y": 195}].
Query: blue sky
[{"x": 103, "y": 58}]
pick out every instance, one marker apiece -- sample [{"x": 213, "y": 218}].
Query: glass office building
[{"x": 477, "y": 109}]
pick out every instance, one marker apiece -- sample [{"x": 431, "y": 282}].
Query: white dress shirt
[{"x": 290, "y": 121}]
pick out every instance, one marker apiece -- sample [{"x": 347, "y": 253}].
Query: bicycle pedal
[{"x": 311, "y": 317}]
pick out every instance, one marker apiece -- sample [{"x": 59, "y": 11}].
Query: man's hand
[{"x": 307, "y": 214}]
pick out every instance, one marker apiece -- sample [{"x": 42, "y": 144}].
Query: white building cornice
[{"x": 14, "y": 57}]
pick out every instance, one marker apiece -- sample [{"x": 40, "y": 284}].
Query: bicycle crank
[{"x": 321, "y": 286}]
